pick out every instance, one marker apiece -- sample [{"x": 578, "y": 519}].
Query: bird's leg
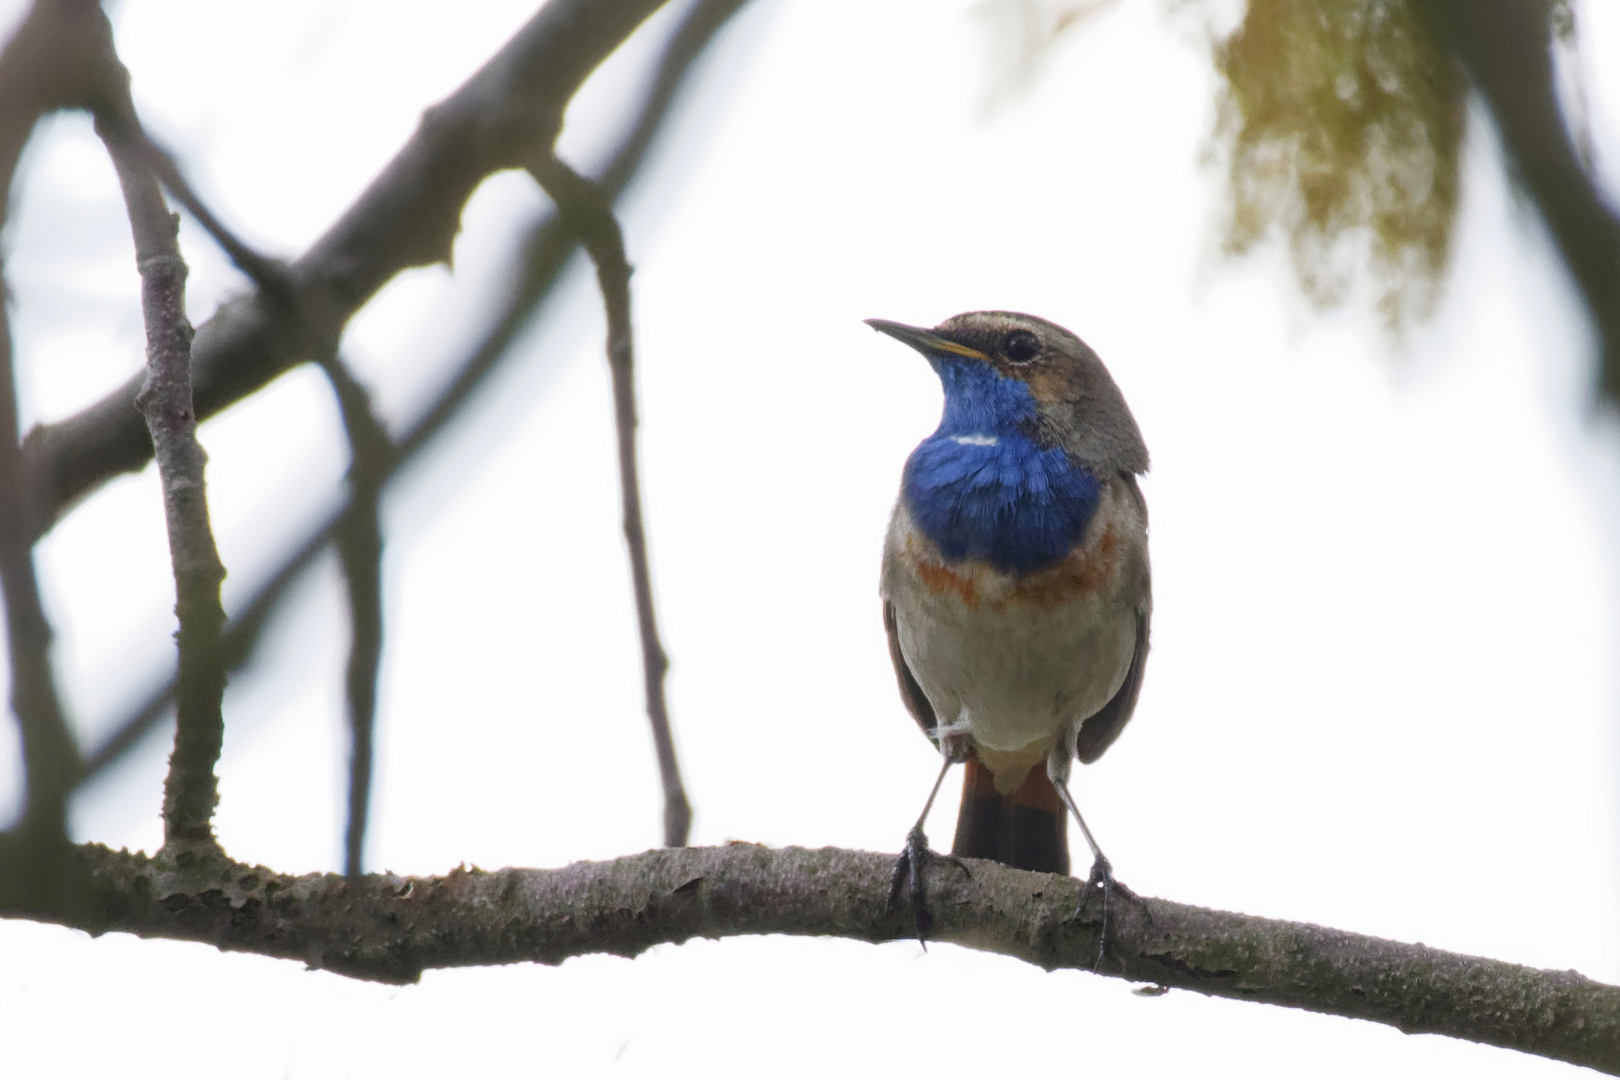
[
  {"x": 908, "y": 868},
  {"x": 1102, "y": 871}
]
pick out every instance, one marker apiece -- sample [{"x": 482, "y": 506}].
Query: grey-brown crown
[{"x": 1080, "y": 406}]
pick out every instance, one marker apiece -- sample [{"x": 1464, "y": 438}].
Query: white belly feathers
[{"x": 1015, "y": 661}]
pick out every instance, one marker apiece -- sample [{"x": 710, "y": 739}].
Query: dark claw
[
  {"x": 908, "y": 870},
  {"x": 1102, "y": 877}
]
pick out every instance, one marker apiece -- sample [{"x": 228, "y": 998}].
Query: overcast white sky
[{"x": 1382, "y": 695}]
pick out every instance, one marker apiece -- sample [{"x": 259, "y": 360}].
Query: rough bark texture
[
  {"x": 389, "y": 929},
  {"x": 165, "y": 402}
]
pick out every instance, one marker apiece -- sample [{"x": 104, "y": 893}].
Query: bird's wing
[
  {"x": 1101, "y": 729},
  {"x": 910, "y": 692}
]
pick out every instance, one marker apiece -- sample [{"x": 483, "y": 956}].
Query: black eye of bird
[{"x": 1021, "y": 346}]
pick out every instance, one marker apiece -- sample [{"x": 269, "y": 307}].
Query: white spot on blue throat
[{"x": 982, "y": 487}]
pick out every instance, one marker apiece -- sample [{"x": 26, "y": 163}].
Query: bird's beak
[{"x": 927, "y": 342}]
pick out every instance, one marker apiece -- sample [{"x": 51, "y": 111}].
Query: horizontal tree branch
[
  {"x": 507, "y": 113},
  {"x": 389, "y": 929}
]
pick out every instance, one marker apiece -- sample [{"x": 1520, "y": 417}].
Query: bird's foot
[
  {"x": 1102, "y": 877},
  {"x": 908, "y": 870}
]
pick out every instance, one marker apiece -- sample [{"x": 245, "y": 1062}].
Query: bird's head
[{"x": 1004, "y": 373}]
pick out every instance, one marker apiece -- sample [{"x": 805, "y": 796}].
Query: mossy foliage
[{"x": 1341, "y": 123}]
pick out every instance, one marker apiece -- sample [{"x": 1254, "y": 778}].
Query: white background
[{"x": 1382, "y": 695}]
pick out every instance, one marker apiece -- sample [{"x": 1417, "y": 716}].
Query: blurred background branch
[
  {"x": 52, "y": 61},
  {"x": 509, "y": 110},
  {"x": 1506, "y": 48},
  {"x": 407, "y": 216},
  {"x": 535, "y": 273},
  {"x": 359, "y": 542}
]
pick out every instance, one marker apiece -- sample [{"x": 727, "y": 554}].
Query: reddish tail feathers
[{"x": 1026, "y": 828}]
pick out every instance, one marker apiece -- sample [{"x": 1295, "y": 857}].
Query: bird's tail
[{"x": 1026, "y": 828}]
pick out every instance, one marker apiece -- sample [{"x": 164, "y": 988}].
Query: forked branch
[
  {"x": 505, "y": 114},
  {"x": 534, "y": 274}
]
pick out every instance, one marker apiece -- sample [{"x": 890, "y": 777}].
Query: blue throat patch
[{"x": 979, "y": 488}]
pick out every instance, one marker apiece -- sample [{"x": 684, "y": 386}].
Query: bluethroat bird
[{"x": 1016, "y": 591}]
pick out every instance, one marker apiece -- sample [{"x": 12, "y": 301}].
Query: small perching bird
[{"x": 1016, "y": 590}]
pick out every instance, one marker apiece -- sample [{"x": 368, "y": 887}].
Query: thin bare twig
[
  {"x": 270, "y": 275},
  {"x": 360, "y": 545},
  {"x": 191, "y": 790},
  {"x": 539, "y": 266},
  {"x": 587, "y": 210},
  {"x": 408, "y": 216},
  {"x": 236, "y": 646},
  {"x": 358, "y": 536},
  {"x": 389, "y": 929}
]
